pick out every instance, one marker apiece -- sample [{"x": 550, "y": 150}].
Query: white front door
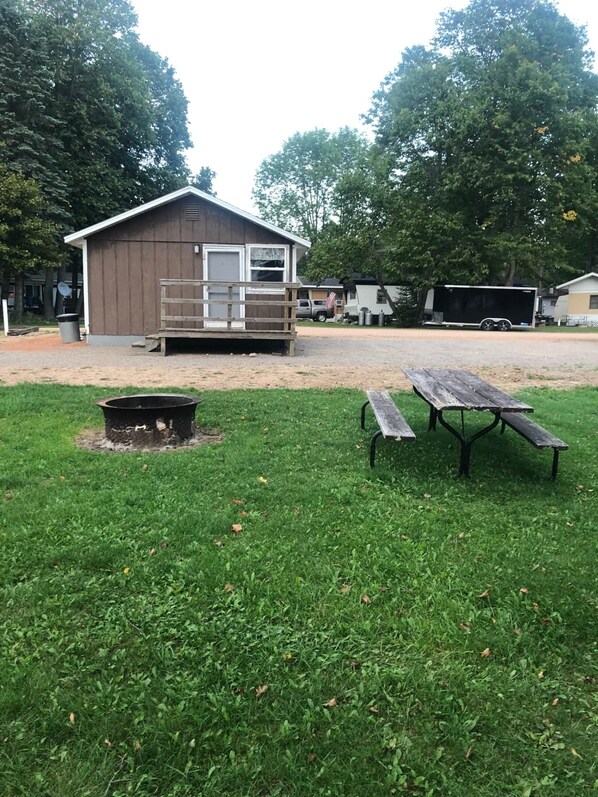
[{"x": 224, "y": 263}]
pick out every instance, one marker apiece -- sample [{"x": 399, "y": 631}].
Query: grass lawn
[{"x": 363, "y": 632}]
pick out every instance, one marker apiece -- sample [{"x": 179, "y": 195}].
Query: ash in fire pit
[{"x": 149, "y": 420}]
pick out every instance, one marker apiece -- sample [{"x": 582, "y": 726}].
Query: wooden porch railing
[{"x": 269, "y": 308}]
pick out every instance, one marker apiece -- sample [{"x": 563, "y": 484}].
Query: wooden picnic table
[{"x": 447, "y": 390}]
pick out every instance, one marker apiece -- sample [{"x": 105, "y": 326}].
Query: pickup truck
[{"x": 316, "y": 310}]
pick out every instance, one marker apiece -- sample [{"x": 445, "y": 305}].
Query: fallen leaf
[
  {"x": 137, "y": 745},
  {"x": 427, "y": 495},
  {"x": 243, "y": 513},
  {"x": 345, "y": 588},
  {"x": 144, "y": 467},
  {"x": 536, "y": 607},
  {"x": 518, "y": 631},
  {"x": 236, "y": 528},
  {"x": 164, "y": 544},
  {"x": 464, "y": 627},
  {"x": 261, "y": 690},
  {"x": 404, "y": 537},
  {"x": 218, "y": 543},
  {"x": 468, "y": 753},
  {"x": 229, "y": 588},
  {"x": 311, "y": 757},
  {"x": 152, "y": 552},
  {"x": 373, "y": 710},
  {"x": 238, "y": 501},
  {"x": 546, "y": 621},
  {"x": 288, "y": 657},
  {"x": 355, "y": 664},
  {"x": 541, "y": 674},
  {"x": 485, "y": 653},
  {"x": 262, "y": 480},
  {"x": 523, "y": 590},
  {"x": 555, "y": 702},
  {"x": 575, "y": 753},
  {"x": 72, "y": 718},
  {"x": 126, "y": 570},
  {"x": 107, "y": 742},
  {"x": 331, "y": 703},
  {"x": 484, "y": 594},
  {"x": 366, "y": 599},
  {"x": 570, "y": 525},
  {"x": 7, "y": 496}
]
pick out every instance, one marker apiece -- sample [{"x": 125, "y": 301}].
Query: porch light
[{"x": 196, "y": 249}]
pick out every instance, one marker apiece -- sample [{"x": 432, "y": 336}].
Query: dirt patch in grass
[{"x": 95, "y": 440}]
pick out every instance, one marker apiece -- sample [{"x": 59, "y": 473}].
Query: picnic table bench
[
  {"x": 536, "y": 435},
  {"x": 392, "y": 425}
]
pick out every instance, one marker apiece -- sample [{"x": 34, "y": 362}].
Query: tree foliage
[
  {"x": 490, "y": 133},
  {"x": 27, "y": 237},
  {"x": 294, "y": 188},
  {"x": 484, "y": 167}
]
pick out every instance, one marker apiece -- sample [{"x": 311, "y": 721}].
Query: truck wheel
[
  {"x": 504, "y": 325},
  {"x": 487, "y": 325},
  {"x": 321, "y": 316}
]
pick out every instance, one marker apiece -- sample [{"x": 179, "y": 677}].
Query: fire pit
[{"x": 149, "y": 420}]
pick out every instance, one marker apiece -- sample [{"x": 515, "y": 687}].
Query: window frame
[
  {"x": 593, "y": 301},
  {"x": 248, "y": 269}
]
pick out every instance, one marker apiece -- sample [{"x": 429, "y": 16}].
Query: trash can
[
  {"x": 381, "y": 318},
  {"x": 68, "y": 324},
  {"x": 369, "y": 318}
]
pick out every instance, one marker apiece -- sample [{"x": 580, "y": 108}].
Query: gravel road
[{"x": 326, "y": 356}]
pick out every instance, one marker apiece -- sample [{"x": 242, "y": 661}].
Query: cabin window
[
  {"x": 267, "y": 263},
  {"x": 352, "y": 294},
  {"x": 594, "y": 302},
  {"x": 380, "y": 297}
]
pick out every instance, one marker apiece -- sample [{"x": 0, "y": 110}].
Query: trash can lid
[{"x": 67, "y": 317}]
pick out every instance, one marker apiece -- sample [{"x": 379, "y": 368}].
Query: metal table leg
[{"x": 466, "y": 442}]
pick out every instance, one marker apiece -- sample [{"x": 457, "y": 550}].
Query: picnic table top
[{"x": 448, "y": 389}]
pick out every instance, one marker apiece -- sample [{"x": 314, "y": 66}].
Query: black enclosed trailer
[{"x": 486, "y": 307}]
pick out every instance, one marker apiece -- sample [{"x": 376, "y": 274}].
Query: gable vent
[{"x": 192, "y": 209}]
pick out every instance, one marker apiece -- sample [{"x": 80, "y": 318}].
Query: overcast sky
[{"x": 257, "y": 71}]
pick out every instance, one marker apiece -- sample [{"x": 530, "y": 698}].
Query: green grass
[{"x": 136, "y": 627}]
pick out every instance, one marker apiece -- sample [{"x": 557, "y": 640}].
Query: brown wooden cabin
[{"x": 189, "y": 265}]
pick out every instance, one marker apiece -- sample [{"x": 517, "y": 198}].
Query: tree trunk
[
  {"x": 510, "y": 275},
  {"x": 49, "y": 294},
  {"x": 382, "y": 286},
  {"x": 19, "y": 296}
]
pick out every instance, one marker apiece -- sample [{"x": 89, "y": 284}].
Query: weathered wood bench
[
  {"x": 392, "y": 425},
  {"x": 534, "y": 434}
]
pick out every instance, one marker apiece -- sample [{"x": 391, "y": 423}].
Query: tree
[
  {"x": 203, "y": 180},
  {"x": 27, "y": 238},
  {"x": 490, "y": 134},
  {"x": 294, "y": 188},
  {"x": 122, "y": 110},
  {"x": 30, "y": 142}
]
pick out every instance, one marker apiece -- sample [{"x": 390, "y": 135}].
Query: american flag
[{"x": 330, "y": 300}]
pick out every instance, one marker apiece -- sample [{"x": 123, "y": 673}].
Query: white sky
[{"x": 257, "y": 71}]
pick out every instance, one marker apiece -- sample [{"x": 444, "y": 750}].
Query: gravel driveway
[{"x": 327, "y": 356}]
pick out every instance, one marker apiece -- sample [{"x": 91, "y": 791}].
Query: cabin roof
[
  {"x": 77, "y": 238},
  {"x": 565, "y": 285}
]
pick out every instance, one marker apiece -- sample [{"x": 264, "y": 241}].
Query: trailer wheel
[
  {"x": 487, "y": 325},
  {"x": 504, "y": 325}
]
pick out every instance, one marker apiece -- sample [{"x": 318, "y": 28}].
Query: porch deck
[{"x": 219, "y": 310}]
